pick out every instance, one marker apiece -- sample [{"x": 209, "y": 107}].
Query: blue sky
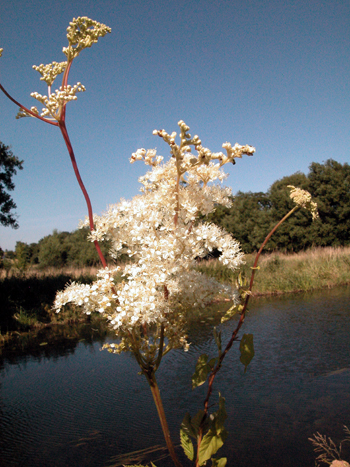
[{"x": 273, "y": 74}]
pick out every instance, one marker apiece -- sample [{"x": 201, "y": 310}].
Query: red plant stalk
[
  {"x": 235, "y": 333},
  {"x": 62, "y": 125}
]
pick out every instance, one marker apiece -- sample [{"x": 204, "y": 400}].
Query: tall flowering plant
[{"x": 162, "y": 232}]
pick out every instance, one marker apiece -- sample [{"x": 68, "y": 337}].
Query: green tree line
[
  {"x": 253, "y": 215},
  {"x": 57, "y": 250},
  {"x": 249, "y": 219}
]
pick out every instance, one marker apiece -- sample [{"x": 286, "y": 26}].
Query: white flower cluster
[
  {"x": 161, "y": 231},
  {"x": 50, "y": 72},
  {"x": 82, "y": 32},
  {"x": 54, "y": 102},
  {"x": 303, "y": 198}
]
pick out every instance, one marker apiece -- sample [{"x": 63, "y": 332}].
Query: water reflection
[{"x": 68, "y": 404}]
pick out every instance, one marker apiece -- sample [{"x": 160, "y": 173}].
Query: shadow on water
[{"x": 65, "y": 403}]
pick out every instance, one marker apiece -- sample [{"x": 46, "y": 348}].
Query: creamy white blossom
[
  {"x": 82, "y": 32},
  {"x": 303, "y": 199},
  {"x": 160, "y": 230}
]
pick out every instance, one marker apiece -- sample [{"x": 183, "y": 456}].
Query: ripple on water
[{"x": 84, "y": 407}]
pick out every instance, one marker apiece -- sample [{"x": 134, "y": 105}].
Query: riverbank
[
  {"x": 27, "y": 298},
  {"x": 280, "y": 273}
]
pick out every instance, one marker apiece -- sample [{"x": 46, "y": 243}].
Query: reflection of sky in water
[{"x": 83, "y": 408}]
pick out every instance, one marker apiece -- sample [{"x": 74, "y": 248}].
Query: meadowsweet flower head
[
  {"x": 50, "y": 72},
  {"x": 82, "y": 32},
  {"x": 303, "y": 198},
  {"x": 160, "y": 230}
]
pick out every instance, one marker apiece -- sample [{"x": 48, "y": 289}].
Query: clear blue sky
[{"x": 273, "y": 74}]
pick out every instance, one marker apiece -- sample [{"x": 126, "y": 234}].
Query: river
[{"x": 69, "y": 404}]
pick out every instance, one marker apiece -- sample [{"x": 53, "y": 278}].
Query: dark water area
[{"x": 66, "y": 403}]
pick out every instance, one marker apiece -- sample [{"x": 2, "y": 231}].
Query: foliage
[
  {"x": 58, "y": 250},
  {"x": 253, "y": 214},
  {"x": 312, "y": 269},
  {"x": 213, "y": 439},
  {"x": 330, "y": 186},
  {"x": 8, "y": 168}
]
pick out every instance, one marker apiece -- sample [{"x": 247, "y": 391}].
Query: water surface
[{"x": 73, "y": 405}]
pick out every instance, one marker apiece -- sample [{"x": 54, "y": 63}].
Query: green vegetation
[
  {"x": 58, "y": 250},
  {"x": 27, "y": 297},
  {"x": 282, "y": 273},
  {"x": 248, "y": 220},
  {"x": 253, "y": 215},
  {"x": 8, "y": 168}
]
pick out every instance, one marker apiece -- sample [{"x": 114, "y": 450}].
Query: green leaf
[
  {"x": 187, "y": 426},
  {"x": 191, "y": 426},
  {"x": 196, "y": 421},
  {"x": 186, "y": 444},
  {"x": 218, "y": 462},
  {"x": 230, "y": 313},
  {"x": 215, "y": 437},
  {"x": 246, "y": 348},
  {"x": 210, "y": 444},
  {"x": 201, "y": 372}
]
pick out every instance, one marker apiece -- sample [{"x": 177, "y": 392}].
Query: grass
[
  {"x": 26, "y": 297},
  {"x": 283, "y": 273}
]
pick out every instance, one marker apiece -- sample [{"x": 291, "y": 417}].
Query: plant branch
[
  {"x": 62, "y": 126},
  {"x": 25, "y": 108},
  {"x": 235, "y": 332}
]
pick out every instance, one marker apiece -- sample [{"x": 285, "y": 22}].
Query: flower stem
[
  {"x": 235, "y": 332},
  {"x": 62, "y": 126},
  {"x": 25, "y": 108},
  {"x": 151, "y": 378}
]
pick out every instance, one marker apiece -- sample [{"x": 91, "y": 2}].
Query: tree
[
  {"x": 8, "y": 168},
  {"x": 329, "y": 184},
  {"x": 52, "y": 250},
  {"x": 247, "y": 219},
  {"x": 22, "y": 255},
  {"x": 296, "y": 233}
]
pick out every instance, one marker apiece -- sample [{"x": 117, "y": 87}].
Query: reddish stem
[
  {"x": 62, "y": 126},
  {"x": 25, "y": 108},
  {"x": 235, "y": 332}
]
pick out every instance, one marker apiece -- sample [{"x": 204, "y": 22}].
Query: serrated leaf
[
  {"x": 186, "y": 444},
  {"x": 201, "y": 372},
  {"x": 218, "y": 462},
  {"x": 246, "y": 348},
  {"x": 230, "y": 313},
  {"x": 191, "y": 426},
  {"x": 215, "y": 437},
  {"x": 187, "y": 426},
  {"x": 210, "y": 444}
]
